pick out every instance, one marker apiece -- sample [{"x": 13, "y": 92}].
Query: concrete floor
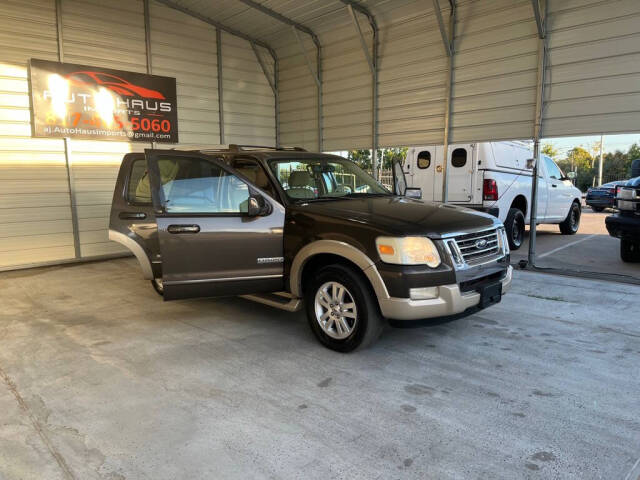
[
  {"x": 590, "y": 250},
  {"x": 101, "y": 379}
]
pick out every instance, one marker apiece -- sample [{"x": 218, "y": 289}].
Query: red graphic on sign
[{"x": 112, "y": 82}]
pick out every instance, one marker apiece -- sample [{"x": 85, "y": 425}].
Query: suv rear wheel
[
  {"x": 341, "y": 309},
  {"x": 514, "y": 225}
]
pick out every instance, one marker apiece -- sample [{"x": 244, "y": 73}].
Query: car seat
[{"x": 300, "y": 185}]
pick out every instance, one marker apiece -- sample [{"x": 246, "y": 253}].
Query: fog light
[{"x": 423, "y": 293}]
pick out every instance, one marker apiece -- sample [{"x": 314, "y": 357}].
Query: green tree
[
  {"x": 362, "y": 158},
  {"x": 580, "y": 161},
  {"x": 550, "y": 150},
  {"x": 387, "y": 156}
]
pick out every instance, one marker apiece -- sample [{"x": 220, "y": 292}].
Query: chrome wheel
[{"x": 335, "y": 310}]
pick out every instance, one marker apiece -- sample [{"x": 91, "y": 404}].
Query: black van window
[
  {"x": 424, "y": 159},
  {"x": 459, "y": 157}
]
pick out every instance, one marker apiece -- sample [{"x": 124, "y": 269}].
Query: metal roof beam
[
  {"x": 315, "y": 76},
  {"x": 363, "y": 42},
  {"x": 448, "y": 47},
  {"x": 263, "y": 66},
  {"x": 282, "y": 18},
  {"x": 373, "y": 65},
  {"x": 539, "y": 18},
  {"x": 218, "y": 25}
]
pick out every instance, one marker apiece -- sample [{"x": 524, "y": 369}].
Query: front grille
[{"x": 478, "y": 247}]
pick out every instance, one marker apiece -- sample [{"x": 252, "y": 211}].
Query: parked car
[
  {"x": 599, "y": 198},
  {"x": 495, "y": 177},
  {"x": 625, "y": 224},
  {"x": 288, "y": 228}
]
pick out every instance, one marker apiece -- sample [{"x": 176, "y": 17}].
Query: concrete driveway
[{"x": 101, "y": 379}]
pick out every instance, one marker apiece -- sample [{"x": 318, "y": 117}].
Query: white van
[{"x": 495, "y": 177}]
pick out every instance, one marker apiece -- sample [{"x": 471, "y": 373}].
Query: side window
[
  {"x": 424, "y": 159},
  {"x": 459, "y": 157},
  {"x": 138, "y": 190},
  {"x": 196, "y": 185},
  {"x": 552, "y": 169}
]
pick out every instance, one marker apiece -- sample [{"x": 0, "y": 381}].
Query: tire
[
  {"x": 629, "y": 250},
  {"x": 157, "y": 286},
  {"x": 514, "y": 225},
  {"x": 596, "y": 209},
  {"x": 571, "y": 224},
  {"x": 364, "y": 323}
]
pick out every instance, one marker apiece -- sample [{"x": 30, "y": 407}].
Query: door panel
[
  {"x": 557, "y": 206},
  {"x": 460, "y": 174},
  {"x": 421, "y": 171},
  {"x": 210, "y": 246}
]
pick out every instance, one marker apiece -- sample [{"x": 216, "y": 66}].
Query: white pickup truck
[{"x": 496, "y": 177}]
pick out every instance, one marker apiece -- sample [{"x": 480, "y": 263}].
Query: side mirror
[
  {"x": 257, "y": 205},
  {"x": 571, "y": 175},
  {"x": 530, "y": 163},
  {"x": 412, "y": 192}
]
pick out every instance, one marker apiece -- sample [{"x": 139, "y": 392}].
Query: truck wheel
[
  {"x": 629, "y": 250},
  {"x": 514, "y": 225},
  {"x": 342, "y": 310},
  {"x": 570, "y": 225}
]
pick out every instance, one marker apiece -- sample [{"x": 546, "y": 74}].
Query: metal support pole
[
  {"x": 319, "y": 97},
  {"x": 67, "y": 148},
  {"x": 447, "y": 112},
  {"x": 147, "y": 34},
  {"x": 537, "y": 133},
  {"x": 276, "y": 75},
  {"x": 220, "y": 85},
  {"x": 273, "y": 83},
  {"x": 372, "y": 62},
  {"x": 601, "y": 162}
]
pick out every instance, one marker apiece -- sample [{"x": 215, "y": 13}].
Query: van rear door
[{"x": 460, "y": 173}]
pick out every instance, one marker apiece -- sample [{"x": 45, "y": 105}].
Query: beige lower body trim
[
  {"x": 450, "y": 301},
  {"x": 136, "y": 249}
]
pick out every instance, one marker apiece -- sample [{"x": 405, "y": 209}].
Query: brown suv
[{"x": 288, "y": 228}]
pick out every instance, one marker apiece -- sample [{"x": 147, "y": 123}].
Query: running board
[{"x": 281, "y": 300}]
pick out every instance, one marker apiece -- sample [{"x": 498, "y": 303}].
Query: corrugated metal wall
[
  {"x": 594, "y": 72},
  {"x": 249, "y": 104},
  {"x": 298, "y": 93},
  {"x": 185, "y": 48},
  {"x": 35, "y": 213},
  {"x": 495, "y": 71},
  {"x": 35, "y": 200}
]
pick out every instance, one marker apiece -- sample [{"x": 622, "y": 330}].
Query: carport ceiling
[{"x": 244, "y": 18}]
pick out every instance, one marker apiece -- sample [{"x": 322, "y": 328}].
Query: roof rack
[{"x": 232, "y": 147}]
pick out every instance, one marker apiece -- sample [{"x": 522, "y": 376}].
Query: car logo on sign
[{"x": 480, "y": 244}]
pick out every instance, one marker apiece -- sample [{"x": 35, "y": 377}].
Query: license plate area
[{"x": 490, "y": 294}]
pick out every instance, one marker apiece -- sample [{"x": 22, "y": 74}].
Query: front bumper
[
  {"x": 450, "y": 301},
  {"x": 623, "y": 226}
]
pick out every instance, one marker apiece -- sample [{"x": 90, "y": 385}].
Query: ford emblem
[{"x": 482, "y": 243}]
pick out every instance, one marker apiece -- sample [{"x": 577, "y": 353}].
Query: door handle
[
  {"x": 132, "y": 215},
  {"x": 554, "y": 185},
  {"x": 183, "y": 228}
]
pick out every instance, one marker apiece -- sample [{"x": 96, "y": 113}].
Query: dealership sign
[{"x": 79, "y": 101}]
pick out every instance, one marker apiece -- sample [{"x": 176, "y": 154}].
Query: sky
[{"x": 611, "y": 142}]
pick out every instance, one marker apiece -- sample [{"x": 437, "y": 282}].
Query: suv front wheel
[{"x": 341, "y": 309}]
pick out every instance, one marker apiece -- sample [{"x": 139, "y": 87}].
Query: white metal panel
[
  {"x": 593, "y": 83},
  {"x": 494, "y": 71},
  {"x": 35, "y": 213},
  {"x": 107, "y": 34},
  {"x": 412, "y": 75},
  {"x": 185, "y": 48},
  {"x": 248, "y": 101},
  {"x": 298, "y": 93},
  {"x": 347, "y": 88}
]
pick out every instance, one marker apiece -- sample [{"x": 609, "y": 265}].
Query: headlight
[{"x": 408, "y": 251}]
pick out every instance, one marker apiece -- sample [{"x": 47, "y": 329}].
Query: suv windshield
[{"x": 324, "y": 178}]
